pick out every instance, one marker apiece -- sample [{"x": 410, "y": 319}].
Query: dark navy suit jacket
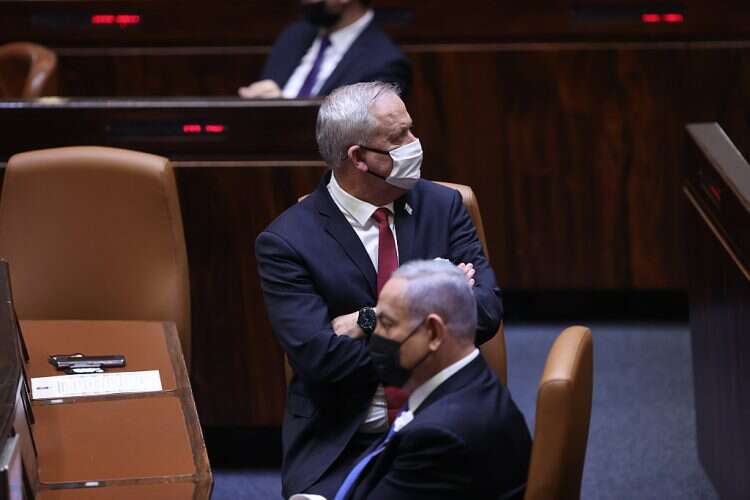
[
  {"x": 468, "y": 440},
  {"x": 372, "y": 56},
  {"x": 313, "y": 268}
]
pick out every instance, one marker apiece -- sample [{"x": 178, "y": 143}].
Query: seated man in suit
[
  {"x": 323, "y": 262},
  {"x": 337, "y": 44},
  {"x": 460, "y": 435}
]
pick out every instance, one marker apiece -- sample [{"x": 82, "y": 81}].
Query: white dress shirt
[
  {"x": 341, "y": 40},
  {"x": 358, "y": 214}
]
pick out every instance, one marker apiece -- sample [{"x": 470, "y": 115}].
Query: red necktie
[{"x": 395, "y": 397}]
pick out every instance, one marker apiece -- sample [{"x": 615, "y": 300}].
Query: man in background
[{"x": 337, "y": 44}]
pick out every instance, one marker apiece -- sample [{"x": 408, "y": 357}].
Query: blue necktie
[
  {"x": 312, "y": 76},
  {"x": 354, "y": 474}
]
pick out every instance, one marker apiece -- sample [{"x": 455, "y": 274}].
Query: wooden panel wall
[
  {"x": 237, "y": 368},
  {"x": 577, "y": 148},
  {"x": 574, "y": 149}
]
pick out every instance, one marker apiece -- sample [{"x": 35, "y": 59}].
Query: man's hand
[
  {"x": 263, "y": 89},
  {"x": 347, "y": 325},
  {"x": 469, "y": 271}
]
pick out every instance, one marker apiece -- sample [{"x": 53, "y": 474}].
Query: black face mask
[
  {"x": 386, "y": 359},
  {"x": 318, "y": 14}
]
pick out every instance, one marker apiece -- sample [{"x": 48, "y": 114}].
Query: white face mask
[{"x": 407, "y": 164}]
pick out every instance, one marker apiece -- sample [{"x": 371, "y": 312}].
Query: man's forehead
[{"x": 389, "y": 109}]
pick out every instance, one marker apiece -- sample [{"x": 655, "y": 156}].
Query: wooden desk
[
  {"x": 144, "y": 445},
  {"x": 232, "y": 183},
  {"x": 717, "y": 189},
  {"x": 232, "y": 131}
]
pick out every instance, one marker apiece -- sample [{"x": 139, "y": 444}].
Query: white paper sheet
[{"x": 95, "y": 384}]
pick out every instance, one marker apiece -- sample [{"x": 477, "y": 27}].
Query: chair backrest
[
  {"x": 27, "y": 71},
  {"x": 563, "y": 411},
  {"x": 95, "y": 233},
  {"x": 494, "y": 349}
]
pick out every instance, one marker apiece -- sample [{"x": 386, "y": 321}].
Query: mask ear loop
[
  {"x": 379, "y": 151},
  {"x": 376, "y": 175}
]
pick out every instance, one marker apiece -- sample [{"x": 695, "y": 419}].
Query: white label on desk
[{"x": 95, "y": 384}]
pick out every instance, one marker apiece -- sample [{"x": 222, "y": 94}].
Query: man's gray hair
[
  {"x": 439, "y": 287},
  {"x": 344, "y": 119}
]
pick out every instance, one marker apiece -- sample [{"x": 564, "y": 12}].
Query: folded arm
[
  {"x": 300, "y": 319},
  {"x": 465, "y": 247}
]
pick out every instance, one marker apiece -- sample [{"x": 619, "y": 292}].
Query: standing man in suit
[
  {"x": 460, "y": 435},
  {"x": 337, "y": 44},
  {"x": 323, "y": 262}
]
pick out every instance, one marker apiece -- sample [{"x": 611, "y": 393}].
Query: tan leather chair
[
  {"x": 494, "y": 349},
  {"x": 27, "y": 71},
  {"x": 563, "y": 411},
  {"x": 95, "y": 233}
]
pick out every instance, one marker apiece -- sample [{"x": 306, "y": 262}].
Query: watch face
[{"x": 367, "y": 319}]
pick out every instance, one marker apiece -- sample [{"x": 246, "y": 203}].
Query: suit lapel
[
  {"x": 405, "y": 226},
  {"x": 297, "y": 51},
  {"x": 286, "y": 57},
  {"x": 336, "y": 225},
  {"x": 357, "y": 52}
]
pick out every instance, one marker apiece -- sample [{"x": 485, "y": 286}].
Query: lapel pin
[{"x": 407, "y": 208}]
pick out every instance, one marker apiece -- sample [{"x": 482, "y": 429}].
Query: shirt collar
[
  {"x": 360, "y": 210},
  {"x": 342, "y": 39},
  {"x": 417, "y": 397}
]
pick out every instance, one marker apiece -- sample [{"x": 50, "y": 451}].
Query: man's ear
[
  {"x": 354, "y": 153},
  {"x": 437, "y": 330}
]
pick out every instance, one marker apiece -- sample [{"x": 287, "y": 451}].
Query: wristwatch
[{"x": 367, "y": 320}]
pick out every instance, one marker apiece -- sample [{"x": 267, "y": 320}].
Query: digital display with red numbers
[
  {"x": 668, "y": 17},
  {"x": 166, "y": 130},
  {"x": 655, "y": 13},
  {"x": 121, "y": 20}
]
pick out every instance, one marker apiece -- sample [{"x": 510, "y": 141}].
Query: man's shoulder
[
  {"x": 298, "y": 29},
  {"x": 295, "y": 36},
  {"x": 296, "y": 222},
  {"x": 433, "y": 193},
  {"x": 375, "y": 37},
  {"x": 472, "y": 398},
  {"x": 435, "y": 187}
]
